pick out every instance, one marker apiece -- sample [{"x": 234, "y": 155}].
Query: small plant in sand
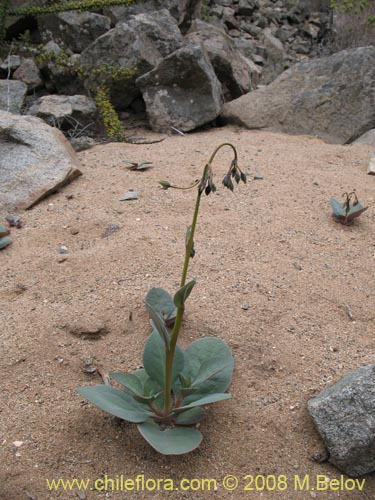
[
  {"x": 166, "y": 397},
  {"x": 5, "y": 239},
  {"x": 344, "y": 212}
]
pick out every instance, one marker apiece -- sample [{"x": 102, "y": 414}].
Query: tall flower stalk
[{"x": 207, "y": 186}]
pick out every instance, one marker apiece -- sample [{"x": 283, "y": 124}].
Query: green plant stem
[
  {"x": 190, "y": 242},
  {"x": 221, "y": 146},
  {"x": 180, "y": 313},
  {"x": 180, "y": 310}
]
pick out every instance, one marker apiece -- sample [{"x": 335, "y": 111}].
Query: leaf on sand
[
  {"x": 170, "y": 441},
  {"x": 142, "y": 165},
  {"x": 130, "y": 195}
]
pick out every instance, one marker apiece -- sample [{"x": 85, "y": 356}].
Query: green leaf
[
  {"x": 129, "y": 381},
  {"x": 162, "y": 302},
  {"x": 158, "y": 324},
  {"x": 190, "y": 417},
  {"x": 165, "y": 184},
  {"x": 141, "y": 375},
  {"x": 4, "y": 242},
  {"x": 206, "y": 400},
  {"x": 170, "y": 441},
  {"x": 183, "y": 293},
  {"x": 212, "y": 368},
  {"x": 117, "y": 403},
  {"x": 154, "y": 360},
  {"x": 4, "y": 231},
  {"x": 337, "y": 207},
  {"x": 198, "y": 365}
]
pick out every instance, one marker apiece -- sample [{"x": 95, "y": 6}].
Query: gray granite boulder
[
  {"x": 237, "y": 74},
  {"x": 344, "y": 415},
  {"x": 331, "y": 97},
  {"x": 28, "y": 73},
  {"x": 367, "y": 138},
  {"x": 141, "y": 42},
  {"x": 12, "y": 95},
  {"x": 182, "y": 91},
  {"x": 35, "y": 160},
  {"x": 74, "y": 30},
  {"x": 65, "y": 111}
]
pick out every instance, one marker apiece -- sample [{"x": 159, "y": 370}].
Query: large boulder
[
  {"x": 65, "y": 111},
  {"x": 74, "y": 30},
  {"x": 142, "y": 42},
  {"x": 182, "y": 91},
  {"x": 35, "y": 161},
  {"x": 332, "y": 97},
  {"x": 28, "y": 73},
  {"x": 237, "y": 74},
  {"x": 12, "y": 95},
  {"x": 344, "y": 415}
]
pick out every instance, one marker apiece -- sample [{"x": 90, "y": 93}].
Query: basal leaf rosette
[{"x": 201, "y": 375}]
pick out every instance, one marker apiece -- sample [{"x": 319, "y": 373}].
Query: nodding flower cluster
[{"x": 206, "y": 183}]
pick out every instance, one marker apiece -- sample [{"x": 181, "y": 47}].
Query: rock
[
  {"x": 367, "y": 138},
  {"x": 276, "y": 57},
  {"x": 87, "y": 328},
  {"x": 236, "y": 74},
  {"x": 10, "y": 64},
  {"x": 28, "y": 73},
  {"x": 121, "y": 13},
  {"x": 142, "y": 42},
  {"x": 344, "y": 415},
  {"x": 82, "y": 143},
  {"x": 371, "y": 167},
  {"x": 74, "y": 30},
  {"x": 35, "y": 161},
  {"x": 182, "y": 91},
  {"x": 331, "y": 97},
  {"x": 65, "y": 111},
  {"x": 246, "y": 7},
  {"x": 12, "y": 95}
]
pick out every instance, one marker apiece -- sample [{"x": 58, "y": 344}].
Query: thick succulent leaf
[
  {"x": 141, "y": 375},
  {"x": 129, "y": 381},
  {"x": 337, "y": 207},
  {"x": 162, "y": 302},
  {"x": 116, "y": 402},
  {"x": 4, "y": 242},
  {"x": 212, "y": 369},
  {"x": 356, "y": 211},
  {"x": 154, "y": 359},
  {"x": 170, "y": 441},
  {"x": 4, "y": 231},
  {"x": 206, "y": 400},
  {"x": 339, "y": 212},
  {"x": 190, "y": 417},
  {"x": 198, "y": 358},
  {"x": 183, "y": 294},
  {"x": 158, "y": 323}
]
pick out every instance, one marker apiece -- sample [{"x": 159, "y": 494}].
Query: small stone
[
  {"x": 17, "y": 444},
  {"x": 344, "y": 417},
  {"x": 87, "y": 329},
  {"x": 245, "y": 306},
  {"x": 63, "y": 249},
  {"x": 74, "y": 231}
]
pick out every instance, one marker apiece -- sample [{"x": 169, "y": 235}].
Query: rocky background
[{"x": 192, "y": 60}]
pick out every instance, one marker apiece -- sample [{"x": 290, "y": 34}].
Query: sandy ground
[{"x": 272, "y": 246}]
